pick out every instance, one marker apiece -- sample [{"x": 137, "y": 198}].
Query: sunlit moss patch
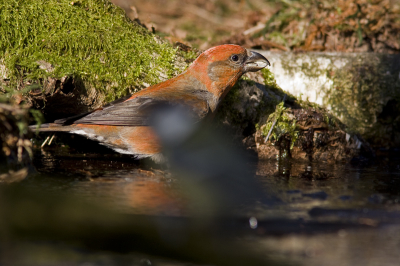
[{"x": 89, "y": 39}]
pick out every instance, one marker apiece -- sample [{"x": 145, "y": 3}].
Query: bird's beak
[{"x": 255, "y": 62}]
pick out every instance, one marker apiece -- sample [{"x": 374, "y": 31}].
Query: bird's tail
[{"x": 50, "y": 127}]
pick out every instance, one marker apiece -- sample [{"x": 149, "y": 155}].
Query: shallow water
[{"x": 316, "y": 214}]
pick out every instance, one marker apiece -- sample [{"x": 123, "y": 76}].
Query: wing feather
[{"x": 137, "y": 111}]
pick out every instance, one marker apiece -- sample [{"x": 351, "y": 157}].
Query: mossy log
[
  {"x": 68, "y": 57},
  {"x": 258, "y": 107},
  {"x": 362, "y": 89}
]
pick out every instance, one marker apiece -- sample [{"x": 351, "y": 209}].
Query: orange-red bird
[{"x": 123, "y": 125}]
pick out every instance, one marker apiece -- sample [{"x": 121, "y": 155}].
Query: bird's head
[{"x": 220, "y": 67}]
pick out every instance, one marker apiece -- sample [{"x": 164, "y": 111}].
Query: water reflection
[
  {"x": 122, "y": 183},
  {"x": 134, "y": 193},
  {"x": 347, "y": 204},
  {"x": 115, "y": 181},
  {"x": 305, "y": 185}
]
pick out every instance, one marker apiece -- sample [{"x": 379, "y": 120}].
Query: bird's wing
[{"x": 137, "y": 111}]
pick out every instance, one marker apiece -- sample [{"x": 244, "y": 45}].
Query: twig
[
  {"x": 254, "y": 29},
  {"x": 45, "y": 141},
  {"x": 51, "y": 139}
]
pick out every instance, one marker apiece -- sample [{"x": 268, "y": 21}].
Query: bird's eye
[{"x": 235, "y": 57}]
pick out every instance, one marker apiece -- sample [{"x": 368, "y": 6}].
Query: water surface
[{"x": 321, "y": 214}]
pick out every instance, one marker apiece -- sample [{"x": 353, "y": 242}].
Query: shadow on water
[{"x": 99, "y": 207}]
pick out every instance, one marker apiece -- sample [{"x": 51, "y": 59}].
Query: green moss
[
  {"x": 271, "y": 85},
  {"x": 285, "y": 125},
  {"x": 359, "y": 88},
  {"x": 189, "y": 56},
  {"x": 277, "y": 92},
  {"x": 248, "y": 80},
  {"x": 269, "y": 79},
  {"x": 89, "y": 39},
  {"x": 360, "y": 96},
  {"x": 350, "y": 93}
]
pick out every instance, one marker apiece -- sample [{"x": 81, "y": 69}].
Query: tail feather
[{"x": 50, "y": 127}]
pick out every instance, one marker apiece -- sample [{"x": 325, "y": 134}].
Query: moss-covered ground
[
  {"x": 89, "y": 39},
  {"x": 89, "y": 43}
]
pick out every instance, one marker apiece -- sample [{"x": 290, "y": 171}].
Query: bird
[{"x": 124, "y": 125}]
